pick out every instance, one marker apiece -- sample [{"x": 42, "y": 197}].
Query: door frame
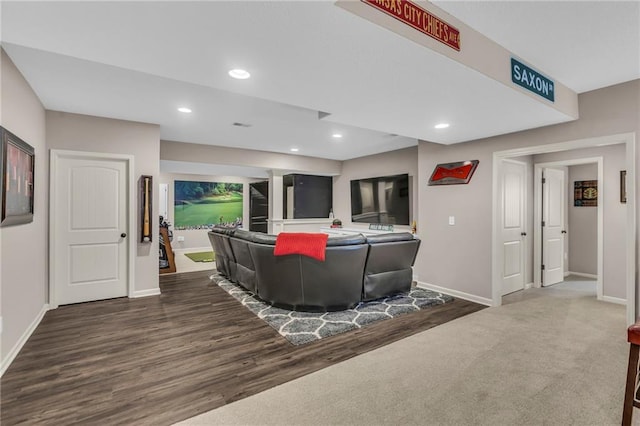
[
  {"x": 629, "y": 140},
  {"x": 537, "y": 217},
  {"x": 525, "y": 259},
  {"x": 54, "y": 156}
]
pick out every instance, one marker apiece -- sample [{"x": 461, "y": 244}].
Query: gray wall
[
  {"x": 23, "y": 252},
  {"x": 85, "y": 133},
  {"x": 583, "y": 225},
  {"x": 603, "y": 112}
]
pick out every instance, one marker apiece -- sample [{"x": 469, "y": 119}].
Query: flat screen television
[{"x": 382, "y": 199}]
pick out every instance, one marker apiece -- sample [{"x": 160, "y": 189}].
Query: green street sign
[{"x": 532, "y": 80}]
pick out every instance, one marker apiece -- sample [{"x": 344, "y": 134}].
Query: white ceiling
[{"x": 140, "y": 61}]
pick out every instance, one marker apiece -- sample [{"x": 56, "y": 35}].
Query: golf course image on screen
[{"x": 200, "y": 205}]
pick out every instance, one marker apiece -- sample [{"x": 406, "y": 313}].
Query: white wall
[
  {"x": 23, "y": 263},
  {"x": 615, "y": 220},
  {"x": 94, "y": 134},
  {"x": 385, "y": 164},
  {"x": 459, "y": 257},
  {"x": 196, "y": 238}
]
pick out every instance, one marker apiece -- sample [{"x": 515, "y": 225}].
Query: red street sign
[{"x": 418, "y": 18}]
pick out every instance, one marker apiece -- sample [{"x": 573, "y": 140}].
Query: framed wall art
[
  {"x": 585, "y": 193},
  {"x": 456, "y": 173},
  {"x": 200, "y": 205},
  {"x": 146, "y": 197},
  {"x": 16, "y": 186}
]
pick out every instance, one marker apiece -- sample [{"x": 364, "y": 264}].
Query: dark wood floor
[{"x": 161, "y": 359}]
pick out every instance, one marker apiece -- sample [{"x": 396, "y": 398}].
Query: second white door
[{"x": 553, "y": 226}]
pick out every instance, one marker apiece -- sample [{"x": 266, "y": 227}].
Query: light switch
[{"x": 452, "y": 220}]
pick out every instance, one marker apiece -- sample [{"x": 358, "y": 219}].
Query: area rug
[
  {"x": 203, "y": 256},
  {"x": 305, "y": 327}
]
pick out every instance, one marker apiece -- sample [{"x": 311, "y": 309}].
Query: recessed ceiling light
[
  {"x": 441, "y": 125},
  {"x": 294, "y": 150},
  {"x": 336, "y": 135},
  {"x": 184, "y": 109},
  {"x": 239, "y": 74}
]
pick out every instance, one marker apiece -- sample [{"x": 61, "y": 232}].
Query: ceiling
[{"x": 140, "y": 61}]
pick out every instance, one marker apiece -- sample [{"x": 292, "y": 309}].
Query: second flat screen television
[{"x": 382, "y": 199}]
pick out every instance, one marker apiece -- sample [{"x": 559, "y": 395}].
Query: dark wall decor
[
  {"x": 623, "y": 186},
  {"x": 146, "y": 191},
  {"x": 585, "y": 193},
  {"x": 259, "y": 206},
  {"x": 456, "y": 173},
  {"x": 16, "y": 185}
]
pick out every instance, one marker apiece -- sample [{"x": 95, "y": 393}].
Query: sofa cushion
[
  {"x": 260, "y": 238},
  {"x": 346, "y": 240}
]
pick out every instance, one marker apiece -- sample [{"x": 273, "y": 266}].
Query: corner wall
[
  {"x": 23, "y": 264},
  {"x": 583, "y": 224}
]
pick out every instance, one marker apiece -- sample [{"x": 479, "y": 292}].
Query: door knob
[
  {"x": 524, "y": 234},
  {"x": 123, "y": 235}
]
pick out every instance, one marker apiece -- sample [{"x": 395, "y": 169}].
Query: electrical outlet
[
  {"x": 180, "y": 239},
  {"x": 452, "y": 220}
]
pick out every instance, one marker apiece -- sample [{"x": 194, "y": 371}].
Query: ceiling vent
[{"x": 241, "y": 124}]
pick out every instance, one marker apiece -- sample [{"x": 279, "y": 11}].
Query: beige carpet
[{"x": 552, "y": 356}]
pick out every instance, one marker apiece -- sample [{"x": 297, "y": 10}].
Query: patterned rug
[{"x": 305, "y": 327}]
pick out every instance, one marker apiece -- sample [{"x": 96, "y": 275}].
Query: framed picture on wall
[
  {"x": 456, "y": 173},
  {"x": 200, "y": 205},
  {"x": 16, "y": 186},
  {"x": 585, "y": 193}
]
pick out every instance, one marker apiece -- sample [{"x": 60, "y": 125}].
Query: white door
[
  {"x": 513, "y": 225},
  {"x": 89, "y": 227},
  {"x": 553, "y": 223}
]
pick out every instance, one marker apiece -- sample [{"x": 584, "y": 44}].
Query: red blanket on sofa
[{"x": 306, "y": 244}]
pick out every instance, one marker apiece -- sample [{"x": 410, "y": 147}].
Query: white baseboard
[
  {"x": 580, "y": 274},
  {"x": 616, "y": 300},
  {"x": 13, "y": 353},
  {"x": 528, "y": 286},
  {"x": 145, "y": 293},
  {"x": 456, "y": 293}
]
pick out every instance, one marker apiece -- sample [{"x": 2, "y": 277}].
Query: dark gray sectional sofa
[{"x": 356, "y": 268}]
